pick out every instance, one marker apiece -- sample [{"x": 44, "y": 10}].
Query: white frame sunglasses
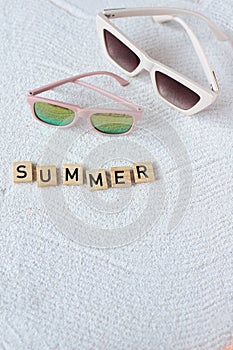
[{"x": 176, "y": 81}]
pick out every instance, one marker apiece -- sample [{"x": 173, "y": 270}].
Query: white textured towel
[{"x": 165, "y": 281}]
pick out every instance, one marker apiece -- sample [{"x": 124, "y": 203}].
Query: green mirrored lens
[
  {"x": 112, "y": 123},
  {"x": 52, "y": 114}
]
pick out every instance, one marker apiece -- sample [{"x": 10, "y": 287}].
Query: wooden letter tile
[
  {"x": 72, "y": 174},
  {"x": 143, "y": 172},
  {"x": 22, "y": 172},
  {"x": 46, "y": 175},
  {"x": 120, "y": 176},
  {"x": 96, "y": 179}
]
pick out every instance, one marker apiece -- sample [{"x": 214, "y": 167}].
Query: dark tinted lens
[
  {"x": 120, "y": 53},
  {"x": 52, "y": 114},
  {"x": 175, "y": 92}
]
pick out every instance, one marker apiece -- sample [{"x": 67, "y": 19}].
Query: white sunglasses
[{"x": 175, "y": 89}]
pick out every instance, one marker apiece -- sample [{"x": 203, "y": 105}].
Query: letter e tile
[{"x": 120, "y": 176}]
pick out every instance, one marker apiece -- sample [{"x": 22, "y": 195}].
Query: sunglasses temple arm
[
  {"x": 120, "y": 80},
  {"x": 110, "y": 95},
  {"x": 210, "y": 75},
  {"x": 44, "y": 88},
  {"x": 131, "y": 12}
]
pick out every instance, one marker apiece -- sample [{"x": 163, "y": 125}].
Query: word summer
[{"x": 74, "y": 174}]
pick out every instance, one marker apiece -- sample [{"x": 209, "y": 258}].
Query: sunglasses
[
  {"x": 175, "y": 89},
  {"x": 105, "y": 121}
]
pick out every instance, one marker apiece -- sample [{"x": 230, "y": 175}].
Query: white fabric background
[{"x": 167, "y": 290}]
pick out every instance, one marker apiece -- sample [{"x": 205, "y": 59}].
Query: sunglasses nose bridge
[
  {"x": 147, "y": 63},
  {"x": 83, "y": 113}
]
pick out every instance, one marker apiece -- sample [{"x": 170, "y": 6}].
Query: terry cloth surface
[{"x": 167, "y": 284}]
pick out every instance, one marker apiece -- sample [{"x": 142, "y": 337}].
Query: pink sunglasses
[{"x": 62, "y": 115}]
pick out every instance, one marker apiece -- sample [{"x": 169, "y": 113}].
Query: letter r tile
[{"x": 143, "y": 172}]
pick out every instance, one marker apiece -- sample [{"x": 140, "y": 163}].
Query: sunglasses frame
[
  {"x": 134, "y": 110},
  {"x": 207, "y": 96}
]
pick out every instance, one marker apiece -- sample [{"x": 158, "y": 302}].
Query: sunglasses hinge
[
  {"x": 111, "y": 15},
  {"x": 216, "y": 88},
  {"x": 108, "y": 15}
]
